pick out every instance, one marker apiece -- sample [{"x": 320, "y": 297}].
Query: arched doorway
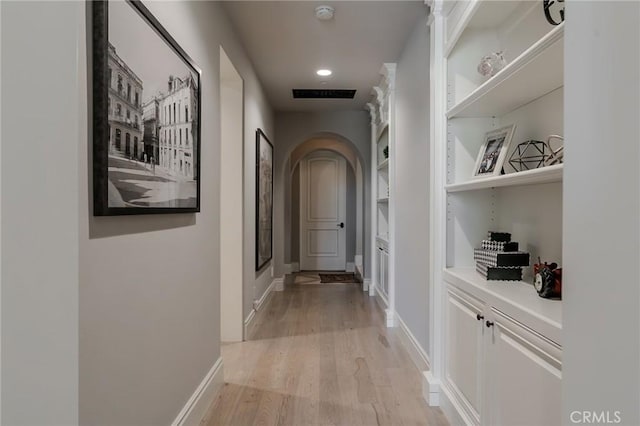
[{"x": 354, "y": 231}]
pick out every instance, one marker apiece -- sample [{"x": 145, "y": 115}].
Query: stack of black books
[{"x": 499, "y": 258}]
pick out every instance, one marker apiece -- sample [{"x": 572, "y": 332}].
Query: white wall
[
  {"x": 255, "y": 282},
  {"x": 105, "y": 320},
  {"x": 412, "y": 185},
  {"x": 293, "y": 130},
  {"x": 231, "y": 191},
  {"x": 40, "y": 211},
  {"x": 149, "y": 298},
  {"x": 601, "y": 295}
]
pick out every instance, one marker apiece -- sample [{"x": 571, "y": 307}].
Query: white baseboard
[
  {"x": 290, "y": 268},
  {"x": 430, "y": 389},
  {"x": 390, "y": 318},
  {"x": 416, "y": 351},
  {"x": 351, "y": 267},
  {"x": 196, "y": 407},
  {"x": 382, "y": 300},
  {"x": 372, "y": 289},
  {"x": 365, "y": 284},
  {"x": 248, "y": 321},
  {"x": 452, "y": 409},
  {"x": 358, "y": 261},
  {"x": 278, "y": 284},
  {"x": 257, "y": 304}
]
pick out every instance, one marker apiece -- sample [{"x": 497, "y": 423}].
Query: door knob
[
  {"x": 341, "y": 225},
  {"x": 479, "y": 317},
  {"x": 489, "y": 324}
]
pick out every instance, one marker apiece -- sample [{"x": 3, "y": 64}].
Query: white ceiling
[{"x": 287, "y": 44}]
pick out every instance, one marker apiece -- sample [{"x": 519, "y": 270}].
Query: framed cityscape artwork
[
  {"x": 146, "y": 115},
  {"x": 264, "y": 199}
]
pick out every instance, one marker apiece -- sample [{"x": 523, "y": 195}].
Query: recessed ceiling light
[{"x": 324, "y": 73}]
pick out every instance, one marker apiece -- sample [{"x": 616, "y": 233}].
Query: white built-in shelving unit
[
  {"x": 382, "y": 112},
  {"x": 506, "y": 332},
  {"x": 528, "y": 92}
]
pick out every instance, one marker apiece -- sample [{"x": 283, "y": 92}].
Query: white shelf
[
  {"x": 383, "y": 200},
  {"x": 547, "y": 174},
  {"x": 384, "y": 165},
  {"x": 543, "y": 315},
  {"x": 536, "y": 72},
  {"x": 480, "y": 14},
  {"x": 381, "y": 129}
]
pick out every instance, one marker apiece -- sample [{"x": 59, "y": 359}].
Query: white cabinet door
[
  {"x": 524, "y": 381},
  {"x": 382, "y": 272},
  {"x": 385, "y": 271},
  {"x": 378, "y": 268},
  {"x": 464, "y": 349}
]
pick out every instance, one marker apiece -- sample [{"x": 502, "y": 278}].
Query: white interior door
[{"x": 323, "y": 199}]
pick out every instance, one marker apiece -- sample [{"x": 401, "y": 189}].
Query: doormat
[{"x": 338, "y": 278}]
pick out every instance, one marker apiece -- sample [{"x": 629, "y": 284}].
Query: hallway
[{"x": 319, "y": 354}]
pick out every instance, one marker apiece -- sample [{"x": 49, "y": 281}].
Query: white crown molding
[
  {"x": 388, "y": 70},
  {"x": 436, "y": 9},
  {"x": 372, "y": 112},
  {"x": 379, "y": 95}
]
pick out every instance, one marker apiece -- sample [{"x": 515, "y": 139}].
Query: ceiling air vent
[{"x": 324, "y": 93}]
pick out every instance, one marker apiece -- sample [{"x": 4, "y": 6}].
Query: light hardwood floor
[{"x": 319, "y": 354}]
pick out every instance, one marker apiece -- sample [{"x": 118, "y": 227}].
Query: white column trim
[
  {"x": 438, "y": 221},
  {"x": 366, "y": 283},
  {"x": 430, "y": 389}
]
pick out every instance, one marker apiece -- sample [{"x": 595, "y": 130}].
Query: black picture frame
[
  {"x": 149, "y": 174},
  {"x": 264, "y": 200}
]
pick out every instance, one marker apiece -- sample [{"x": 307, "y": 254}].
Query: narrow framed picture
[
  {"x": 264, "y": 199},
  {"x": 146, "y": 115},
  {"x": 493, "y": 152}
]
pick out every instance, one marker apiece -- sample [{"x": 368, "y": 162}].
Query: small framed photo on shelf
[{"x": 493, "y": 152}]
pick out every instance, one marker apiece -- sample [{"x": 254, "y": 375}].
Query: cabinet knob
[
  {"x": 479, "y": 317},
  {"x": 489, "y": 323}
]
